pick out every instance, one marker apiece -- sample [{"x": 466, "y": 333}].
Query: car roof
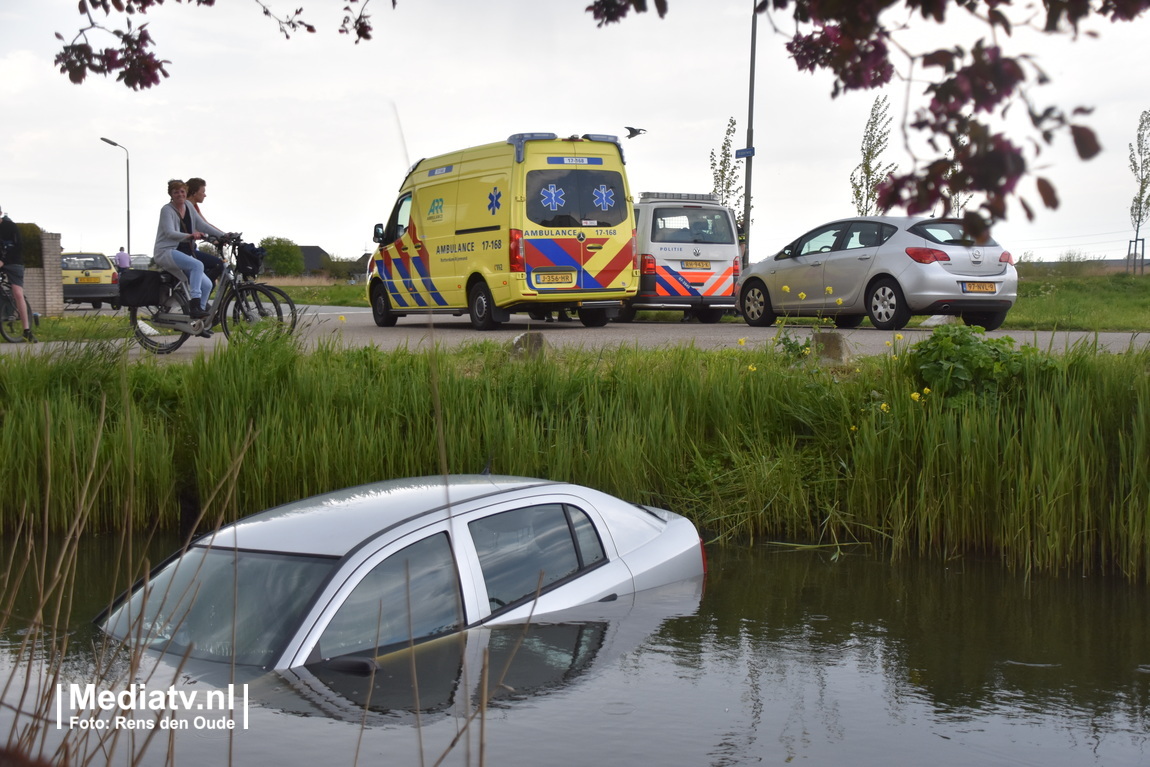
[{"x": 332, "y": 524}]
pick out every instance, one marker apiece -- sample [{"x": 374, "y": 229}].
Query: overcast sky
[{"x": 309, "y": 138}]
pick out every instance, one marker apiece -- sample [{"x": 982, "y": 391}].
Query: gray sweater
[{"x": 169, "y": 236}]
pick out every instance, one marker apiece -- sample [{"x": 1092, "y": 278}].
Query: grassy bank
[{"x": 959, "y": 445}]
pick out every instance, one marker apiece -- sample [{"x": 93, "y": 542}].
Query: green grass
[{"x": 1037, "y": 459}]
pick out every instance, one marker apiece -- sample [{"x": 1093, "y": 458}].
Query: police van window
[
  {"x": 400, "y": 218},
  {"x": 692, "y": 225},
  {"x": 576, "y": 197}
]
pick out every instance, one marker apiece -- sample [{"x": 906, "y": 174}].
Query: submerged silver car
[
  {"x": 370, "y": 569},
  {"x": 887, "y": 268}
]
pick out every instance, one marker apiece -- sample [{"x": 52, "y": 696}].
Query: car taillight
[
  {"x": 515, "y": 251},
  {"x": 927, "y": 255},
  {"x": 738, "y": 266},
  {"x": 648, "y": 264},
  {"x": 115, "y": 278},
  {"x": 1006, "y": 258},
  {"x": 634, "y": 251}
]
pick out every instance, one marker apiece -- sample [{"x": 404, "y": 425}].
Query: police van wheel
[
  {"x": 481, "y": 305},
  {"x": 381, "y": 307},
  {"x": 593, "y": 318},
  {"x": 626, "y": 314}
]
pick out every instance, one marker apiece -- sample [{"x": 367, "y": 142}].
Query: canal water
[{"x": 782, "y": 657}]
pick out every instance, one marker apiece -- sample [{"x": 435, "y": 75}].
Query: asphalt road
[{"x": 354, "y": 326}]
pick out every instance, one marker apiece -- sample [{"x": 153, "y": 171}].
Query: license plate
[
  {"x": 696, "y": 264},
  {"x": 978, "y": 287},
  {"x": 555, "y": 279},
  {"x": 88, "y": 280}
]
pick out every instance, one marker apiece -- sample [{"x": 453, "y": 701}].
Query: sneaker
[{"x": 29, "y": 337}]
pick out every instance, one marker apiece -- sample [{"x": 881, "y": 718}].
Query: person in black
[{"x": 12, "y": 263}]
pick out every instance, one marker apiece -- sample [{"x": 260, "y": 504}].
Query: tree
[
  {"x": 282, "y": 256},
  {"x": 967, "y": 86},
  {"x": 1140, "y": 167},
  {"x": 869, "y": 173},
  {"x": 725, "y": 171}
]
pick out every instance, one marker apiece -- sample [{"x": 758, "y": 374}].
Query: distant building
[{"x": 315, "y": 258}]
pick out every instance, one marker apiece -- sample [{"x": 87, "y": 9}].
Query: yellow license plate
[
  {"x": 978, "y": 287},
  {"x": 696, "y": 264},
  {"x": 88, "y": 280},
  {"x": 555, "y": 279}
]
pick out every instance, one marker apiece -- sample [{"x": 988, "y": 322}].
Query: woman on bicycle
[{"x": 180, "y": 226}]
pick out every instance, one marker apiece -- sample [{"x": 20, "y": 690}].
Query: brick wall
[{"x": 44, "y": 287}]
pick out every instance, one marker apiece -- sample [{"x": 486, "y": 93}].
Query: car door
[
  {"x": 846, "y": 269},
  {"x": 796, "y": 279}
]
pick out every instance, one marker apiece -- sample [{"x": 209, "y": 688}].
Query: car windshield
[
  {"x": 947, "y": 233},
  {"x": 576, "y": 197},
  {"x": 216, "y": 604}
]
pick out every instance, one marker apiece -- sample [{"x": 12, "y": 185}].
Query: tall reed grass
[{"x": 1048, "y": 470}]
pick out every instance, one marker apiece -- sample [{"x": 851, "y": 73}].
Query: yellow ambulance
[{"x": 532, "y": 224}]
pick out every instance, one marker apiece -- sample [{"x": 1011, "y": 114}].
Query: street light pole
[
  {"x": 750, "y": 146},
  {"x": 128, "y": 186}
]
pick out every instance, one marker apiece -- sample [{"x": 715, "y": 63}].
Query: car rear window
[
  {"x": 692, "y": 225},
  {"x": 576, "y": 197},
  {"x": 85, "y": 261},
  {"x": 946, "y": 232}
]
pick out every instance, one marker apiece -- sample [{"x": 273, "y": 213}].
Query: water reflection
[{"x": 788, "y": 656}]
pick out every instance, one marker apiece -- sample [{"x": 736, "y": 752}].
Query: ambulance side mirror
[{"x": 377, "y": 236}]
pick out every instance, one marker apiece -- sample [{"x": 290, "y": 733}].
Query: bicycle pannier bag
[
  {"x": 250, "y": 259},
  {"x": 142, "y": 287}
]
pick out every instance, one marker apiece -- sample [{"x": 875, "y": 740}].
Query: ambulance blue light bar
[
  {"x": 678, "y": 196},
  {"x": 518, "y": 140}
]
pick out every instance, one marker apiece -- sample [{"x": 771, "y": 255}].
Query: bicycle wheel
[
  {"x": 284, "y": 301},
  {"x": 155, "y": 337},
  {"x": 252, "y": 311},
  {"x": 10, "y": 326}
]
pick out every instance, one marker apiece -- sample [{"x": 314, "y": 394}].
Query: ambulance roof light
[
  {"x": 609, "y": 139},
  {"x": 518, "y": 140},
  {"x": 647, "y": 196}
]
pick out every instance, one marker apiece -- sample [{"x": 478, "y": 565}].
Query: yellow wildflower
[
  {"x": 742, "y": 342},
  {"x": 888, "y": 343},
  {"x": 926, "y": 390},
  {"x": 786, "y": 288},
  {"x": 342, "y": 318},
  {"x": 802, "y": 296},
  {"x": 854, "y": 428},
  {"x": 839, "y": 301},
  {"x": 830, "y": 290},
  {"x": 884, "y": 407},
  {"x": 752, "y": 368},
  {"x": 898, "y": 336},
  {"x": 915, "y": 396}
]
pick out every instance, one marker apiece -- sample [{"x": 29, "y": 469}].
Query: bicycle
[
  {"x": 248, "y": 308},
  {"x": 10, "y": 326}
]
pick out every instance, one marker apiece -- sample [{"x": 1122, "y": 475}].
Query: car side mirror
[{"x": 377, "y": 235}]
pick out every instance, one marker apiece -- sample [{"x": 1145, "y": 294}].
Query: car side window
[
  {"x": 864, "y": 234},
  {"x": 821, "y": 240},
  {"x": 412, "y": 595},
  {"x": 530, "y": 550},
  {"x": 400, "y": 218}
]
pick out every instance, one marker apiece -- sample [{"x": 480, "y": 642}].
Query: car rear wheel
[
  {"x": 593, "y": 318},
  {"x": 886, "y": 305},
  {"x": 481, "y": 306},
  {"x": 756, "y": 305},
  {"x": 709, "y": 315},
  {"x": 848, "y": 321},
  {"x": 986, "y": 320},
  {"x": 381, "y": 307},
  {"x": 97, "y": 304},
  {"x": 627, "y": 313}
]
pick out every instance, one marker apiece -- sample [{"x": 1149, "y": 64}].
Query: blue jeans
[{"x": 198, "y": 283}]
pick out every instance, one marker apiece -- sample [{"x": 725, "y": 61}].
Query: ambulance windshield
[{"x": 576, "y": 197}]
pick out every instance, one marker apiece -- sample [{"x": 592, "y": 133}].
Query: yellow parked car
[{"x": 90, "y": 278}]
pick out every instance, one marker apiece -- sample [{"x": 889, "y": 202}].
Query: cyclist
[
  {"x": 213, "y": 265},
  {"x": 12, "y": 262},
  {"x": 180, "y": 226}
]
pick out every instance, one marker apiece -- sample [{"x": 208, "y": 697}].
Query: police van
[
  {"x": 689, "y": 255},
  {"x": 534, "y": 224}
]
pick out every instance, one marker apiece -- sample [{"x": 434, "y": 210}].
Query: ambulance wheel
[
  {"x": 481, "y": 304},
  {"x": 381, "y": 307},
  {"x": 593, "y": 318}
]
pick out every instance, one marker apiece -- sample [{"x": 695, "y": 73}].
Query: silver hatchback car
[
  {"x": 371, "y": 569},
  {"x": 887, "y": 268}
]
